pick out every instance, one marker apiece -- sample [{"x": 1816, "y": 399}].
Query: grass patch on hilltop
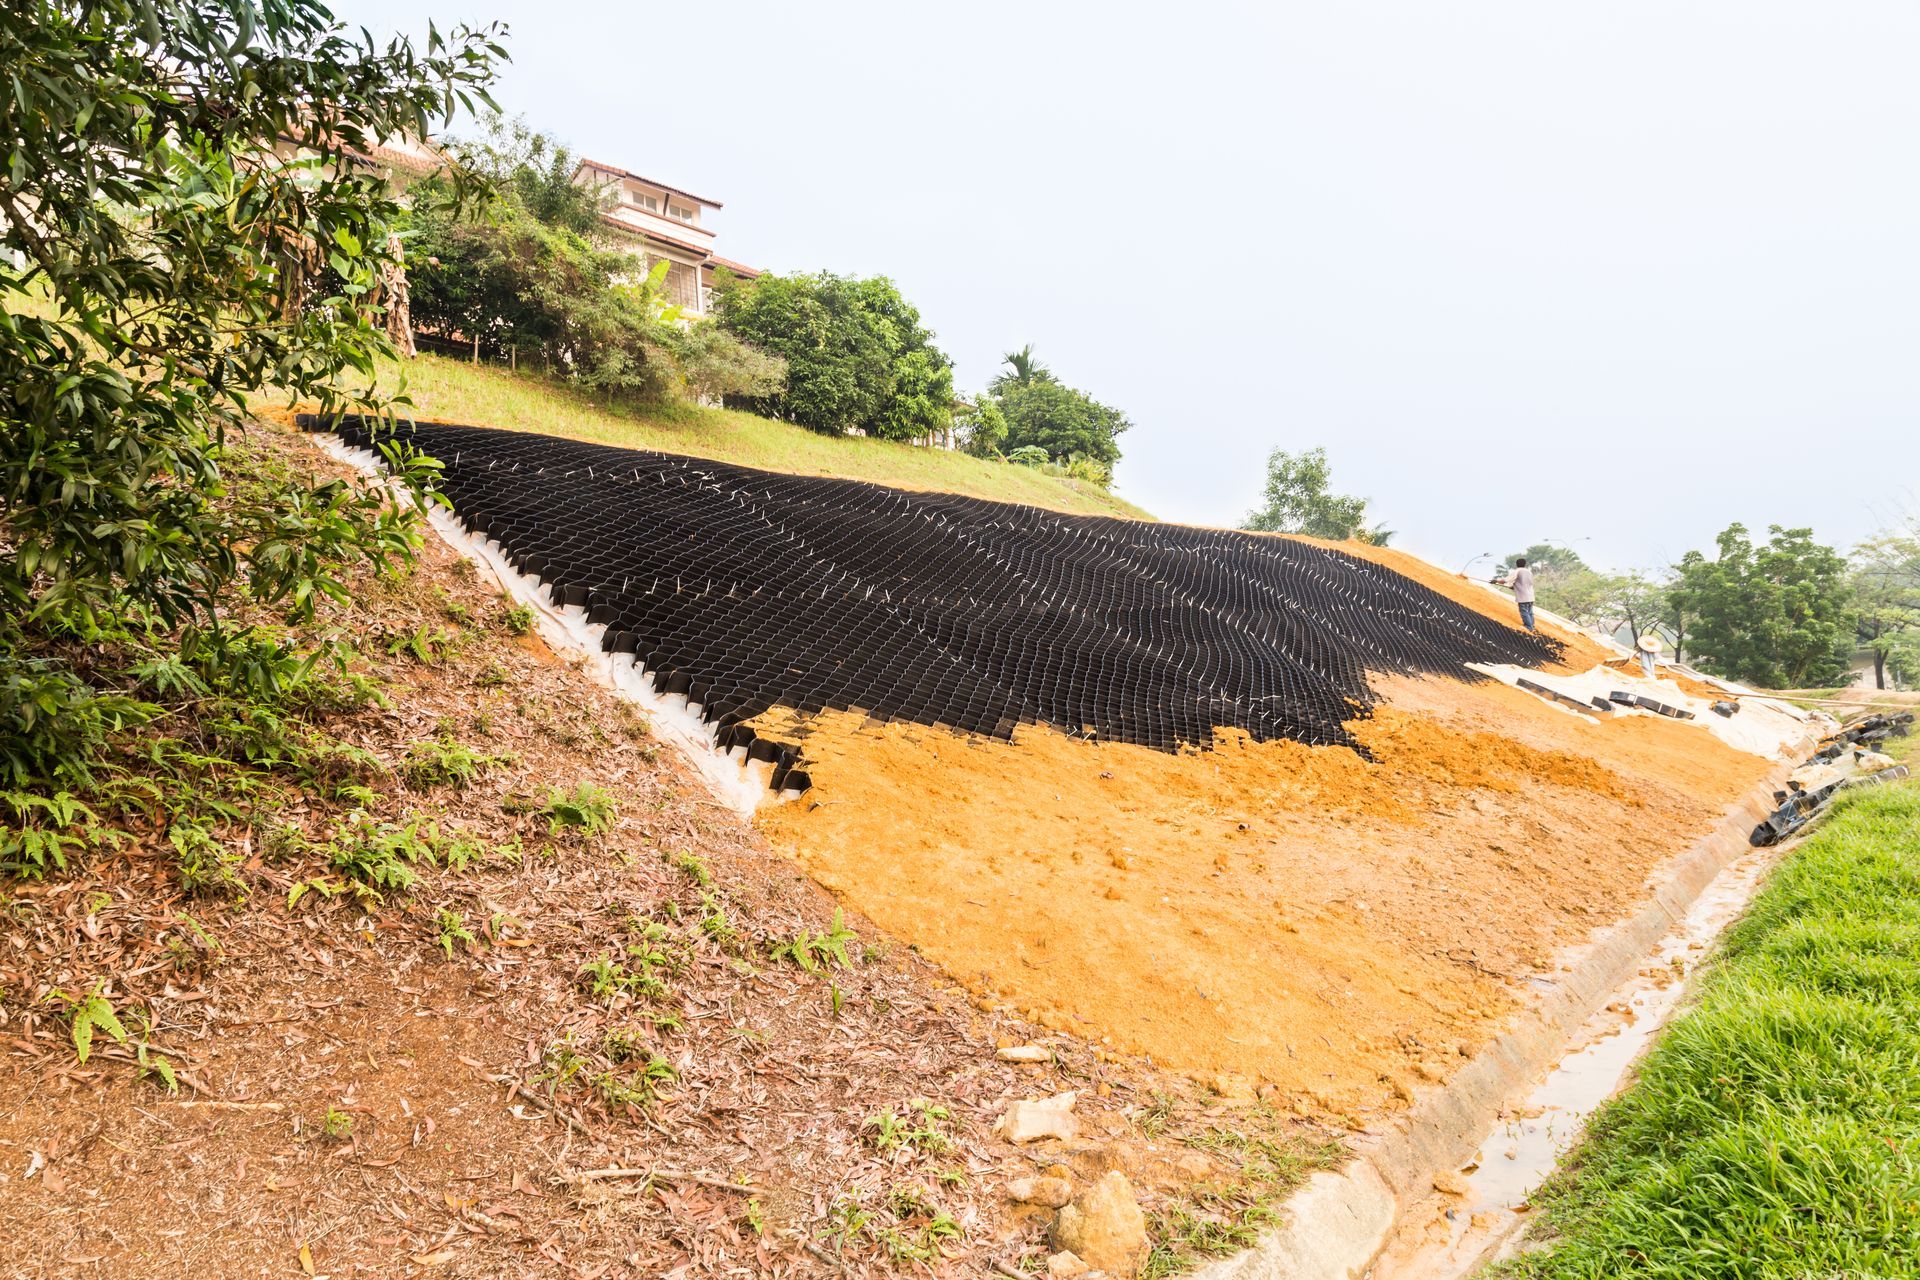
[
  {"x": 1774, "y": 1131},
  {"x": 450, "y": 390}
]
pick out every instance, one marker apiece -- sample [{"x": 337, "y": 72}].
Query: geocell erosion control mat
[
  {"x": 749, "y": 590},
  {"x": 1231, "y": 801}
]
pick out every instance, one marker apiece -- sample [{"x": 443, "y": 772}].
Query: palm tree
[{"x": 1026, "y": 370}]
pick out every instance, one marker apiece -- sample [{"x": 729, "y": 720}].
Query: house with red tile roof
[{"x": 663, "y": 223}]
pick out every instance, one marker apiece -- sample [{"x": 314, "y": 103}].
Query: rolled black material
[{"x": 753, "y": 589}]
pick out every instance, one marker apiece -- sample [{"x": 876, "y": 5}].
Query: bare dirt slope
[
  {"x": 1338, "y": 926},
  {"x": 366, "y": 1092}
]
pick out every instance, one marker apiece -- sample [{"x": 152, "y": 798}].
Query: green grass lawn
[
  {"x": 1774, "y": 1131},
  {"x": 451, "y": 390}
]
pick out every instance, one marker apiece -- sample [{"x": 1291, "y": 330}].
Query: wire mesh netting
[{"x": 747, "y": 590}]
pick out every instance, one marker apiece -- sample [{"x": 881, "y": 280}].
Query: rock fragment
[
  {"x": 1049, "y": 1193},
  {"x": 1025, "y": 1053},
  {"x": 1032, "y": 1119},
  {"x": 1104, "y": 1226}
]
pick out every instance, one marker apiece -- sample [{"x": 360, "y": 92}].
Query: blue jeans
[{"x": 1526, "y": 613}]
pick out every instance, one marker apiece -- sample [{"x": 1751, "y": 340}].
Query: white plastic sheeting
[
  {"x": 739, "y": 784},
  {"x": 1762, "y": 727}
]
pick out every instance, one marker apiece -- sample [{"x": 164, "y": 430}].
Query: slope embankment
[
  {"x": 1329, "y": 890},
  {"x": 1238, "y": 804}
]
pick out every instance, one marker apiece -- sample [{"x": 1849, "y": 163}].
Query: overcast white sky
[{"x": 1620, "y": 272}]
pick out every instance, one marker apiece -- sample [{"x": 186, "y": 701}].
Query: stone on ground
[
  {"x": 1050, "y": 1193},
  {"x": 1032, "y": 1119},
  {"x": 1104, "y": 1227}
]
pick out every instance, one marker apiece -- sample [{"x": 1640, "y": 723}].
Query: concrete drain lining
[{"x": 1342, "y": 1222}]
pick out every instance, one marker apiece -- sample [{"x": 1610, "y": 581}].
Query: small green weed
[
  {"x": 812, "y": 952},
  {"x": 427, "y": 647},
  {"x": 87, "y": 1014},
  {"x": 518, "y": 620},
  {"x": 454, "y": 931},
  {"x": 587, "y": 809},
  {"x": 923, "y": 1132},
  {"x": 92, "y": 1013},
  {"x": 638, "y": 1088},
  {"x": 192, "y": 948},
  {"x": 715, "y": 923},
  {"x": 336, "y": 1125},
  {"x": 560, "y": 1064},
  {"x": 692, "y": 866},
  {"x": 378, "y": 858},
  {"x": 206, "y": 865},
  {"x": 1153, "y": 1118},
  {"x": 605, "y": 978},
  {"x": 446, "y": 763}
]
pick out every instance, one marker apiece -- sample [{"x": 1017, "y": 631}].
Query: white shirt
[{"x": 1521, "y": 580}]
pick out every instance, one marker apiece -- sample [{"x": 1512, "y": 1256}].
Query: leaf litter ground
[{"x": 357, "y": 1102}]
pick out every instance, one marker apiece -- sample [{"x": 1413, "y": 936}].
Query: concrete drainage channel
[{"x": 1383, "y": 1217}]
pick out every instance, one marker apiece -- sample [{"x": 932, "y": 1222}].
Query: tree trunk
[
  {"x": 1879, "y": 669},
  {"x": 399, "y": 306}
]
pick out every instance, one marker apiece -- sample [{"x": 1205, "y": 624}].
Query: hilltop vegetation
[{"x": 453, "y": 390}]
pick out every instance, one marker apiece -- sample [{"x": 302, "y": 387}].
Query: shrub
[{"x": 857, "y": 356}]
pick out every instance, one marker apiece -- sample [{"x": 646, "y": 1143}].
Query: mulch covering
[{"x": 747, "y": 590}]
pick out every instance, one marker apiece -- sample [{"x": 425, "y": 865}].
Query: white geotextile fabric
[
  {"x": 1762, "y": 728},
  {"x": 736, "y": 782}
]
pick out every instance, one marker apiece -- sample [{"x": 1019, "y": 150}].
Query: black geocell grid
[{"x": 748, "y": 590}]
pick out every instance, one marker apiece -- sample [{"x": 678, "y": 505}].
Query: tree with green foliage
[
  {"x": 1886, "y": 595},
  {"x": 1024, "y": 369},
  {"x": 1299, "y": 499},
  {"x": 1547, "y": 559},
  {"x": 858, "y": 359},
  {"x": 981, "y": 427},
  {"x": 161, "y": 265},
  {"x": 531, "y": 276},
  {"x": 1041, "y": 412},
  {"x": 1637, "y": 602},
  {"x": 1778, "y": 615}
]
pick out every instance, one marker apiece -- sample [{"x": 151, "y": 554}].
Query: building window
[
  {"x": 680, "y": 211},
  {"x": 644, "y": 201}
]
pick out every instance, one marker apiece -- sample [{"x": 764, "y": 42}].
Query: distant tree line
[{"x": 1787, "y": 613}]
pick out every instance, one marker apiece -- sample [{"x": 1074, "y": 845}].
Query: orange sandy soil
[{"x": 1266, "y": 912}]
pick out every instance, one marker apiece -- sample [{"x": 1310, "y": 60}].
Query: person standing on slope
[{"x": 1521, "y": 581}]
